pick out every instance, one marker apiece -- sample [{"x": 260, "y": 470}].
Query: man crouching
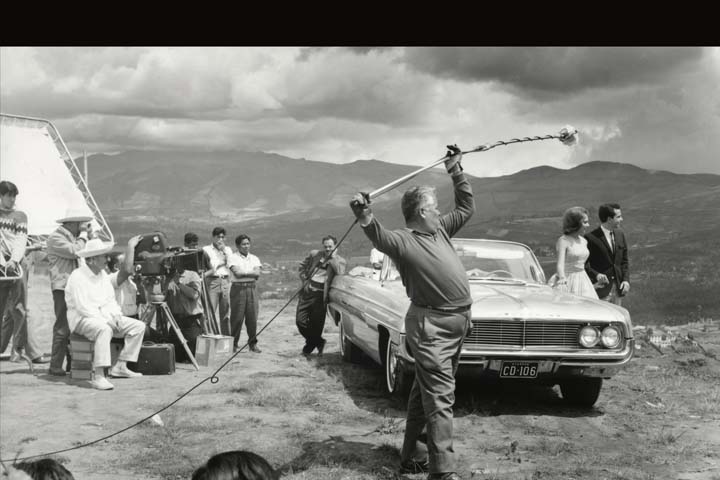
[{"x": 94, "y": 313}]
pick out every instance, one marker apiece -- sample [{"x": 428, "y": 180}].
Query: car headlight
[
  {"x": 610, "y": 337},
  {"x": 589, "y": 336}
]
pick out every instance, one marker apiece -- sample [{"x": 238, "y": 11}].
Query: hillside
[{"x": 286, "y": 205}]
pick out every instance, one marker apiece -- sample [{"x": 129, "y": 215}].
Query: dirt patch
[{"x": 325, "y": 419}]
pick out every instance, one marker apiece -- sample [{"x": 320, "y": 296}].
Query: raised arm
[
  {"x": 128, "y": 267},
  {"x": 453, "y": 221},
  {"x": 60, "y": 246},
  {"x": 386, "y": 241}
]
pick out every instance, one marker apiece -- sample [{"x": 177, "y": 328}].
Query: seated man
[
  {"x": 183, "y": 298},
  {"x": 94, "y": 313}
]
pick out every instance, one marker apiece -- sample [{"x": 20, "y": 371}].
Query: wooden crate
[
  {"x": 210, "y": 348},
  {"x": 81, "y": 353}
]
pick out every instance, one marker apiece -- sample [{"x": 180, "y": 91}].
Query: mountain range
[{"x": 287, "y": 201}]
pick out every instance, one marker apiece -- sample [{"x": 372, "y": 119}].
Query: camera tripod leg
[
  {"x": 171, "y": 320},
  {"x": 210, "y": 319}
]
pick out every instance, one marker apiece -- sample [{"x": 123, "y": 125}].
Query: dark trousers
[
  {"x": 310, "y": 319},
  {"x": 435, "y": 340},
  {"x": 13, "y": 303},
  {"x": 191, "y": 328},
  {"x": 7, "y": 293},
  {"x": 61, "y": 331},
  {"x": 244, "y": 307}
]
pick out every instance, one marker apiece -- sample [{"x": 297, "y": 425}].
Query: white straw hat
[
  {"x": 75, "y": 215},
  {"x": 95, "y": 247}
]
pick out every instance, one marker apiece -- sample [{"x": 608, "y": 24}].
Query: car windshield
[{"x": 487, "y": 260}]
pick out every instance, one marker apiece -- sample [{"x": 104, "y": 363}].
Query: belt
[
  {"x": 244, "y": 284},
  {"x": 218, "y": 276},
  {"x": 445, "y": 310}
]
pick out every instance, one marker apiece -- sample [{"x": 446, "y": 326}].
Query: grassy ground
[{"x": 327, "y": 420}]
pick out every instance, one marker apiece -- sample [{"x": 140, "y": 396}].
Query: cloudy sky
[{"x": 657, "y": 107}]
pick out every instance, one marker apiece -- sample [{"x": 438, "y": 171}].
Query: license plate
[{"x": 519, "y": 370}]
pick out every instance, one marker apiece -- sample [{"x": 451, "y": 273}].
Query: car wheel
[
  {"x": 348, "y": 350},
  {"x": 581, "y": 392},
  {"x": 398, "y": 380}
]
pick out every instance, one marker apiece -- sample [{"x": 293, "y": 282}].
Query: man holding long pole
[{"x": 439, "y": 313}]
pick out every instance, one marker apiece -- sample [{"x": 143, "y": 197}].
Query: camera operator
[{"x": 182, "y": 295}]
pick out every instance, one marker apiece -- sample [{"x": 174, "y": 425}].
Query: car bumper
[{"x": 550, "y": 363}]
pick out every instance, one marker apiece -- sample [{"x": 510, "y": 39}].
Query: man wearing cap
[
  {"x": 216, "y": 278},
  {"x": 93, "y": 312},
  {"x": 62, "y": 247}
]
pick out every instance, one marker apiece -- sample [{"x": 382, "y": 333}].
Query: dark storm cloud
[{"x": 548, "y": 71}]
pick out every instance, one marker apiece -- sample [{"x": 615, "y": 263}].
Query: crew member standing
[
  {"x": 62, "y": 248},
  {"x": 320, "y": 267},
  {"x": 216, "y": 278},
  {"x": 13, "y": 294},
  {"x": 439, "y": 313},
  {"x": 244, "y": 304}
]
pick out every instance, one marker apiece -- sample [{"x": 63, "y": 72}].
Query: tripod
[{"x": 164, "y": 311}]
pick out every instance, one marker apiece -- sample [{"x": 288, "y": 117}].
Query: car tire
[
  {"x": 398, "y": 380},
  {"x": 350, "y": 353},
  {"x": 581, "y": 392}
]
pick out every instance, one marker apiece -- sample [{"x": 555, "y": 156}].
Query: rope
[
  {"x": 214, "y": 378},
  {"x": 501, "y": 143}
]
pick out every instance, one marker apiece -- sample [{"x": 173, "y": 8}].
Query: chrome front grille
[{"x": 523, "y": 333}]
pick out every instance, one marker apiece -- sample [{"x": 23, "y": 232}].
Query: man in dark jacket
[
  {"x": 607, "y": 265},
  {"x": 319, "y": 267}
]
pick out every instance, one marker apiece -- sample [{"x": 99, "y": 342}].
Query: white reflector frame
[{"x": 34, "y": 157}]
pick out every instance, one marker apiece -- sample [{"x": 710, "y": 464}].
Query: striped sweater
[{"x": 13, "y": 234}]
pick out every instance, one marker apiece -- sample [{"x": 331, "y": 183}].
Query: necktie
[{"x": 612, "y": 241}]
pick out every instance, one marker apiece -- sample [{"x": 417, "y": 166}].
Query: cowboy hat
[
  {"x": 95, "y": 247},
  {"x": 75, "y": 215}
]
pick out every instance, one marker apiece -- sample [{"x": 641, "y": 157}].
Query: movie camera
[
  {"x": 153, "y": 257},
  {"x": 154, "y": 260}
]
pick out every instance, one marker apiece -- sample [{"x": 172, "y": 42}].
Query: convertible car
[{"x": 521, "y": 327}]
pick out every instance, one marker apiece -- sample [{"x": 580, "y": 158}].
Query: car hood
[{"x": 538, "y": 301}]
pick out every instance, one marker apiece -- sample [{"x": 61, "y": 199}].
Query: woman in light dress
[{"x": 572, "y": 252}]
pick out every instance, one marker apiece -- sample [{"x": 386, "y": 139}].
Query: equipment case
[{"x": 155, "y": 359}]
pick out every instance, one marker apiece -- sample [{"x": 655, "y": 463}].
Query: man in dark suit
[{"x": 607, "y": 265}]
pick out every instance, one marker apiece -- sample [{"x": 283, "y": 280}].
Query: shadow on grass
[
  {"x": 491, "y": 396},
  {"x": 66, "y": 379},
  {"x": 381, "y": 461},
  {"x": 364, "y": 382}
]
